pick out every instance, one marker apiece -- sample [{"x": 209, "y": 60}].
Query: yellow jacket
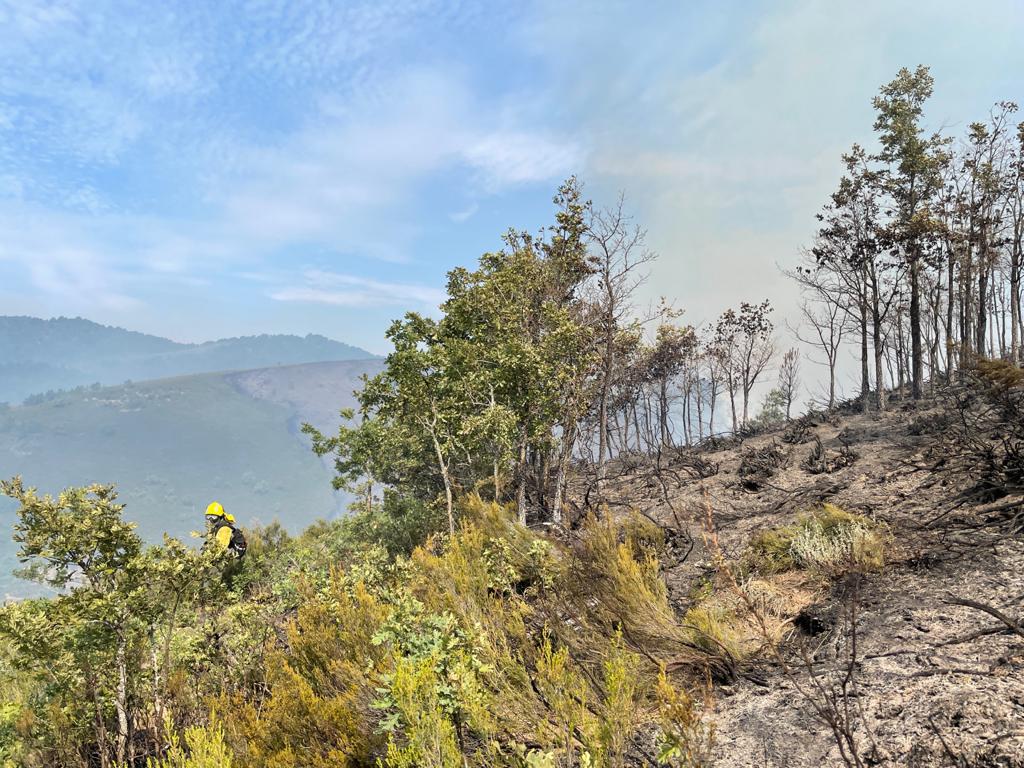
[{"x": 223, "y": 537}]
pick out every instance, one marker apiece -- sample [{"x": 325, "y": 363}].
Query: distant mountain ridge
[
  {"x": 173, "y": 445},
  {"x": 38, "y": 355}
]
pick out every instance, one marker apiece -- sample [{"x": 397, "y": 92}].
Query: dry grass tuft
[{"x": 829, "y": 541}]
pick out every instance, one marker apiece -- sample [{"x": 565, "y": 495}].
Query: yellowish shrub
[
  {"x": 428, "y": 739},
  {"x": 1001, "y": 374},
  {"x": 828, "y": 540},
  {"x": 620, "y": 711},
  {"x": 685, "y": 738},
  {"x": 741, "y": 618},
  {"x": 321, "y": 689},
  {"x": 204, "y": 747}
]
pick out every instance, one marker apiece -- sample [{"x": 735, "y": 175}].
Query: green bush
[
  {"x": 827, "y": 540},
  {"x": 203, "y": 748}
]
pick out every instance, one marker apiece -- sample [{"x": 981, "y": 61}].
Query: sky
[{"x": 208, "y": 169}]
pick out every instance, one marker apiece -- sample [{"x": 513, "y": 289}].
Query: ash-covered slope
[{"x": 937, "y": 676}]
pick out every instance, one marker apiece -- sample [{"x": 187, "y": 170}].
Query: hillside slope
[
  {"x": 934, "y": 682},
  {"x": 173, "y": 445},
  {"x": 40, "y": 355}
]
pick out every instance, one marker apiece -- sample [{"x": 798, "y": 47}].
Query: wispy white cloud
[
  {"x": 141, "y": 152},
  {"x": 343, "y": 290},
  {"x": 349, "y": 179},
  {"x": 505, "y": 158},
  {"x": 60, "y": 259},
  {"x": 462, "y": 215}
]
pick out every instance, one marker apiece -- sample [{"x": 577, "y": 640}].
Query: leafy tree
[
  {"x": 496, "y": 387},
  {"x": 789, "y": 378},
  {"x": 745, "y": 336},
  {"x": 87, "y": 645},
  {"x": 912, "y": 177},
  {"x": 773, "y": 409}
]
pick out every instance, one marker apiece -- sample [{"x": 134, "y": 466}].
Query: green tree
[
  {"x": 86, "y": 647},
  {"x": 912, "y": 178},
  {"x": 495, "y": 387}
]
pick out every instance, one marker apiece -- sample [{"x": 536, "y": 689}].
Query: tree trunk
[
  {"x": 442, "y": 465},
  {"x": 950, "y": 275},
  {"x": 121, "y": 698},
  {"x": 1015, "y": 318},
  {"x": 732, "y": 405},
  {"x": 981, "y": 327},
  {"x": 879, "y": 353},
  {"x": 521, "y": 478},
  {"x": 831, "y": 382},
  {"x": 602, "y": 411},
  {"x": 967, "y": 309},
  {"x": 712, "y": 402},
  {"x": 448, "y": 496},
  {"x": 666, "y": 437},
  {"x": 567, "y": 443},
  {"x": 916, "y": 351},
  {"x": 700, "y": 409},
  {"x": 865, "y": 376}
]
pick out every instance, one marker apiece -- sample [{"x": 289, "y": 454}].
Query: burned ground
[{"x": 938, "y": 675}]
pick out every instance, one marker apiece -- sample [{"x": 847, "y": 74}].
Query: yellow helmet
[
  {"x": 229, "y": 517},
  {"x": 215, "y": 510}
]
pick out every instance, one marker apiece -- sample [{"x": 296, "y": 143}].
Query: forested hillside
[
  {"x": 173, "y": 445},
  {"x": 556, "y": 558},
  {"x": 38, "y": 356}
]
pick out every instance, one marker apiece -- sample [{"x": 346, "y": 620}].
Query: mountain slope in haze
[
  {"x": 40, "y": 355},
  {"x": 173, "y": 445}
]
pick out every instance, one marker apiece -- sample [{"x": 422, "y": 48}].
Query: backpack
[{"x": 238, "y": 544}]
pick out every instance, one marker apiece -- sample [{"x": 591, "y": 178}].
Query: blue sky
[{"x": 204, "y": 169}]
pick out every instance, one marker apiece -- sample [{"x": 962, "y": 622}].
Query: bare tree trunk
[
  {"x": 602, "y": 414},
  {"x": 732, "y": 405},
  {"x": 831, "y": 384},
  {"x": 666, "y": 436},
  {"x": 445, "y": 477},
  {"x": 981, "y": 329},
  {"x": 916, "y": 352},
  {"x": 1015, "y": 318},
  {"x": 700, "y": 409},
  {"x": 521, "y": 477},
  {"x": 121, "y": 698},
  {"x": 713, "y": 401},
  {"x": 1004, "y": 347},
  {"x": 565, "y": 452},
  {"x": 879, "y": 352},
  {"x": 967, "y": 309},
  {"x": 442, "y": 466},
  {"x": 900, "y": 354},
  {"x": 865, "y": 377},
  {"x": 950, "y": 299}
]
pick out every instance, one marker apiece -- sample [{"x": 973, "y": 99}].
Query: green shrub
[
  {"x": 684, "y": 739},
  {"x": 769, "y": 551},
  {"x": 827, "y": 540},
  {"x": 9, "y": 746},
  {"x": 712, "y": 627},
  {"x": 203, "y": 748}
]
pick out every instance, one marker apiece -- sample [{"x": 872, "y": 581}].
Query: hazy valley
[{"x": 172, "y": 445}]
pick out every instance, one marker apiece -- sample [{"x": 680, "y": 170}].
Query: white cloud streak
[{"x": 351, "y": 291}]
